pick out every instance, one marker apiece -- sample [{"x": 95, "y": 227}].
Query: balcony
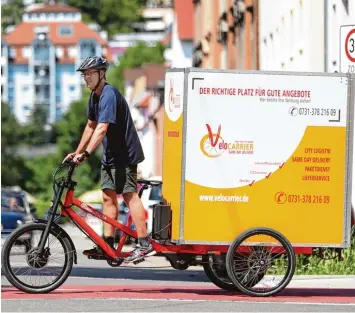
[
  {"x": 39, "y": 80},
  {"x": 41, "y": 56},
  {"x": 41, "y": 100},
  {"x": 159, "y": 4},
  {"x": 85, "y": 53}
]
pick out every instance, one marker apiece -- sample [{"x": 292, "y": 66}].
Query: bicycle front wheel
[{"x": 31, "y": 273}]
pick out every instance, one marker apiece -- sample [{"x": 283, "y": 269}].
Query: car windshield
[{"x": 12, "y": 203}]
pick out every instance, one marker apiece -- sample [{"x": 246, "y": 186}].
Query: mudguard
[{"x": 65, "y": 234}]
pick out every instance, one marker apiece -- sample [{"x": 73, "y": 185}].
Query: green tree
[
  {"x": 12, "y": 166},
  {"x": 40, "y": 170},
  {"x": 11, "y": 14},
  {"x": 114, "y": 16},
  {"x": 134, "y": 57},
  {"x": 35, "y": 132},
  {"x": 69, "y": 131},
  {"x": 10, "y": 128}
]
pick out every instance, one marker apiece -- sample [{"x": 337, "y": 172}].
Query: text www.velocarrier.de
[{"x": 222, "y": 198}]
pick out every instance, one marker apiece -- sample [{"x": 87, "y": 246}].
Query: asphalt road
[
  {"x": 154, "y": 286},
  {"x": 134, "y": 305}
]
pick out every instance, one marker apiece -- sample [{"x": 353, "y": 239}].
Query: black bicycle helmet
[{"x": 93, "y": 63}]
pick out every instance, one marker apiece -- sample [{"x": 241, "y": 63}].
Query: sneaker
[
  {"x": 96, "y": 251},
  {"x": 139, "y": 253}
]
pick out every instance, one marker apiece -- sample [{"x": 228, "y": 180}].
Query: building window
[
  {"x": 27, "y": 110},
  {"x": 222, "y": 29},
  {"x": 26, "y": 52},
  {"x": 71, "y": 88},
  {"x": 197, "y": 56},
  {"x": 346, "y": 5},
  {"x": 87, "y": 49},
  {"x": 25, "y": 89},
  {"x": 59, "y": 52},
  {"x": 66, "y": 30},
  {"x": 42, "y": 54},
  {"x": 12, "y": 53},
  {"x": 72, "y": 52}
]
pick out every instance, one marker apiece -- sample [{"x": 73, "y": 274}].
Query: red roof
[
  {"x": 131, "y": 74},
  {"x": 184, "y": 10},
  {"x": 50, "y": 8},
  {"x": 155, "y": 73},
  {"x": 24, "y": 34}
]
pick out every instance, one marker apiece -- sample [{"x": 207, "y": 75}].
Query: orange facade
[{"x": 226, "y": 34}]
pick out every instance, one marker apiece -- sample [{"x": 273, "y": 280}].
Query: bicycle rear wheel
[{"x": 30, "y": 272}]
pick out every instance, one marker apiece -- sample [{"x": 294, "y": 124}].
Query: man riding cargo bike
[
  {"x": 110, "y": 123},
  {"x": 250, "y": 245}
]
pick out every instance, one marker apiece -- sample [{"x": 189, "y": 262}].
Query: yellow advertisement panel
[
  {"x": 267, "y": 150},
  {"x": 172, "y": 156}
]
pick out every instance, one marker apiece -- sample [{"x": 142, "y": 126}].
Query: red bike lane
[{"x": 180, "y": 292}]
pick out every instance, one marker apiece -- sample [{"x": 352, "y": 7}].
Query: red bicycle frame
[
  {"x": 201, "y": 249},
  {"x": 67, "y": 210}
]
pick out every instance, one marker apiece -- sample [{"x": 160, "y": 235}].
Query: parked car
[{"x": 15, "y": 211}]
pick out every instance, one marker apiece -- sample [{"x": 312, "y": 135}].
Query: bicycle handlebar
[
  {"x": 72, "y": 166},
  {"x": 149, "y": 182}
]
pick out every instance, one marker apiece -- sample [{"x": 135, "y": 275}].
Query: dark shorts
[{"x": 120, "y": 179}]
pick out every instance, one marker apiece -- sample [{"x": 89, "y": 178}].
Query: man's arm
[
  {"x": 97, "y": 137},
  {"x": 87, "y": 134}
]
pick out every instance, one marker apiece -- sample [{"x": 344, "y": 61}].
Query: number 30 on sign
[{"x": 347, "y": 49}]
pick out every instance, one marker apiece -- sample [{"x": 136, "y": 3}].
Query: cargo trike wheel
[
  {"x": 260, "y": 262},
  {"x": 218, "y": 275}
]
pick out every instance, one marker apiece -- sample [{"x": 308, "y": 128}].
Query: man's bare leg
[
  {"x": 109, "y": 198},
  {"x": 144, "y": 248},
  {"x": 111, "y": 210},
  {"x": 136, "y": 208}
]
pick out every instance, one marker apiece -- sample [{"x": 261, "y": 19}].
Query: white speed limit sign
[{"x": 347, "y": 49}]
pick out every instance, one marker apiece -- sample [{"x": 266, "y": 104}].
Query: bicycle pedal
[{"x": 138, "y": 261}]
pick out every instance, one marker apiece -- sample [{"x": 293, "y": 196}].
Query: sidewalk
[{"x": 324, "y": 281}]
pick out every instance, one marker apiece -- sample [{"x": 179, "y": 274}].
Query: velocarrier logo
[
  {"x": 173, "y": 99},
  {"x": 209, "y": 143},
  {"x": 213, "y": 145}
]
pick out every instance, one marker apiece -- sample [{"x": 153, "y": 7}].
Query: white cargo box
[{"x": 267, "y": 149}]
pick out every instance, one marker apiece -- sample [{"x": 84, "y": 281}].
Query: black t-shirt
[{"x": 121, "y": 144}]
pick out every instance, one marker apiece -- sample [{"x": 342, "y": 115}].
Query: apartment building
[
  {"x": 226, "y": 34},
  {"x": 302, "y": 35},
  {"x": 157, "y": 19},
  {"x": 180, "y": 52},
  {"x": 40, "y": 56}
]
